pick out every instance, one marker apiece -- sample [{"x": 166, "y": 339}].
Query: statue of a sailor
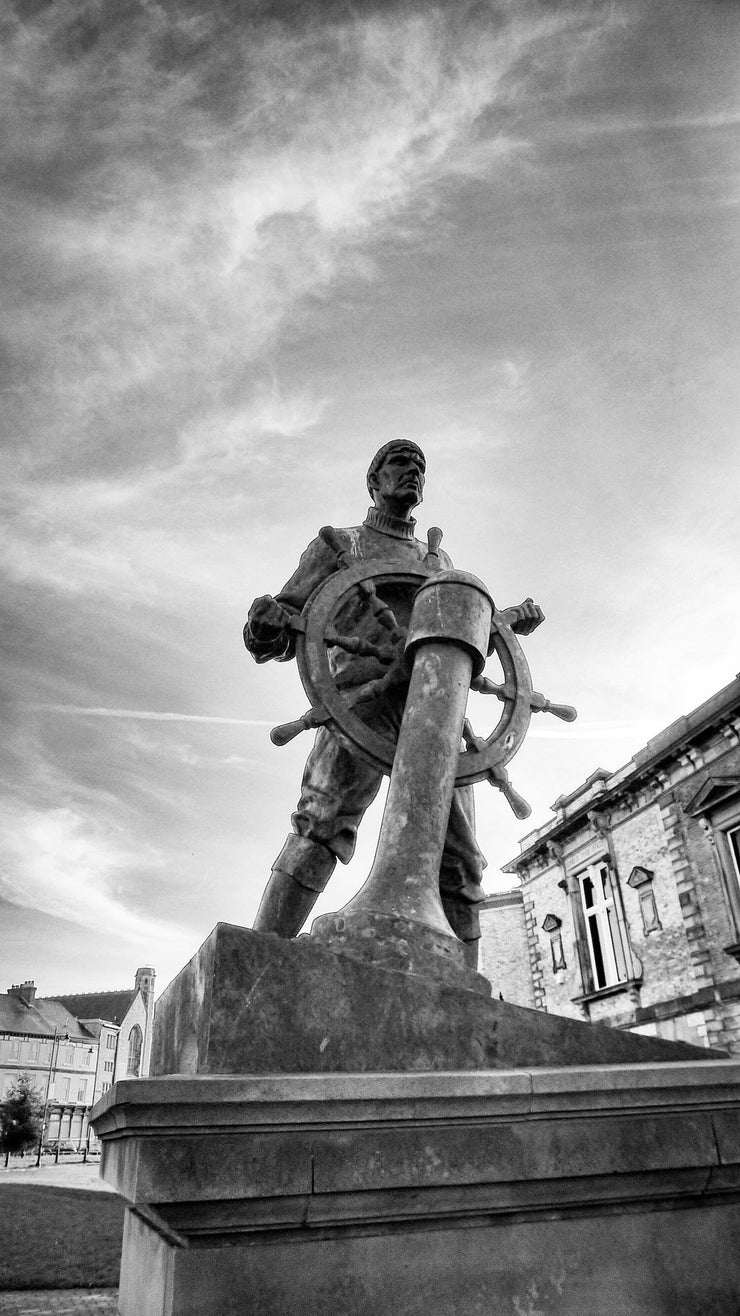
[{"x": 339, "y": 785}]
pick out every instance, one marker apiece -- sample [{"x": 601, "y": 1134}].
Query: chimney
[{"x": 24, "y": 991}]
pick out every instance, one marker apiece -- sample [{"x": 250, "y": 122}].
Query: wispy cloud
[
  {"x": 69, "y": 866},
  {"x": 220, "y": 176},
  {"x": 240, "y": 252},
  {"x": 147, "y": 715},
  {"x": 191, "y": 183}
]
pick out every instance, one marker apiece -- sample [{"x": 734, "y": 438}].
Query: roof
[
  {"x": 109, "y": 1006},
  {"x": 40, "y": 1018}
]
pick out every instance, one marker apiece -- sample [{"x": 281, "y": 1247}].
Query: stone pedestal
[
  {"x": 283, "y": 1161},
  {"x": 591, "y": 1191}
]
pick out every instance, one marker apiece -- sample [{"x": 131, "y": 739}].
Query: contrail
[
  {"x": 146, "y": 715},
  {"x": 539, "y": 730}
]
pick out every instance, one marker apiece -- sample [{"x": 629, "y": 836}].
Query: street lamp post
[
  {"x": 86, "y": 1113},
  {"x": 58, "y": 1037}
]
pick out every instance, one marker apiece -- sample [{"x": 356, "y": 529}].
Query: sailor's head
[{"x": 395, "y": 477}]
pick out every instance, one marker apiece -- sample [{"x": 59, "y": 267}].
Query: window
[
  {"x": 82, "y": 1092},
  {"x": 34, "y": 1050},
  {"x": 110, "y": 1041},
  {"x": 602, "y": 926},
  {"x": 15, "y": 1048},
  {"x": 105, "y": 1087},
  {"x": 63, "y": 1094},
  {"x": 135, "y": 1041}
]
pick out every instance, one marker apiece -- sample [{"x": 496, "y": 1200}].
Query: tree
[{"x": 20, "y": 1116}]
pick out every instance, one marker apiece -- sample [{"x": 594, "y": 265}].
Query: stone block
[
  {"x": 254, "y": 1003},
  {"x": 682, "y": 1262}
]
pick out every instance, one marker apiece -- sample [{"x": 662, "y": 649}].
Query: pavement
[
  {"x": 60, "y": 1302},
  {"x": 67, "y": 1174}
]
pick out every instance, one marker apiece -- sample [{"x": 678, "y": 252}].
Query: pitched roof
[
  {"x": 40, "y": 1018},
  {"x": 110, "y": 1006}
]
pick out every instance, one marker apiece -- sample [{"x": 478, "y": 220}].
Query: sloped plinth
[{"x": 254, "y": 1003}]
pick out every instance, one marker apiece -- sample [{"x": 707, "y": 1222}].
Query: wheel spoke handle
[
  {"x": 483, "y": 686},
  {"x": 287, "y": 731},
  {"x": 538, "y": 703},
  {"x": 336, "y": 544},
  {"x": 434, "y": 539},
  {"x": 497, "y": 775}
]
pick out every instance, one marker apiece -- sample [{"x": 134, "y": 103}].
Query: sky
[{"x": 243, "y": 246}]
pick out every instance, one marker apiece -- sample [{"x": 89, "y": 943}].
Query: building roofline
[
  {"x": 601, "y": 785},
  {"x": 501, "y": 899}
]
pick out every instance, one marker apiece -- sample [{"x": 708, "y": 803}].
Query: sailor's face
[{"x": 400, "y": 478}]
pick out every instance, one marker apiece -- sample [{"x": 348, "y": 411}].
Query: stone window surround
[
  {"x": 552, "y": 925},
  {"x": 571, "y": 885},
  {"x": 641, "y": 880},
  {"x": 716, "y": 808},
  {"x": 594, "y": 865}
]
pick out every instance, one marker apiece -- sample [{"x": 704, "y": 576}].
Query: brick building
[
  {"x": 631, "y": 892},
  {"x": 75, "y": 1047}
]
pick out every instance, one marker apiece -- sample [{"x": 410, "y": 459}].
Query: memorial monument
[
  {"x": 346, "y": 1121},
  {"x": 369, "y": 667}
]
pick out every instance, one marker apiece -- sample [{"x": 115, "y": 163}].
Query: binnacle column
[{"x": 397, "y": 919}]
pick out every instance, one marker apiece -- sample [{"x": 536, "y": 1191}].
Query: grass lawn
[{"x": 59, "y": 1238}]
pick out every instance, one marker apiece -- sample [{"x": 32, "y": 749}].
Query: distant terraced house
[{"x": 75, "y": 1047}]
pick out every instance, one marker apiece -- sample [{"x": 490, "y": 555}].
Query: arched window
[{"x": 135, "y": 1042}]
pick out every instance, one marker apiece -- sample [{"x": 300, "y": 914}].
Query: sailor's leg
[
  {"x": 337, "y": 788},
  {"x": 299, "y": 875}
]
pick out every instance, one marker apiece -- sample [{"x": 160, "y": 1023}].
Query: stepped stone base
[
  {"x": 254, "y": 1003},
  {"x": 336, "y": 1137},
  {"x": 605, "y": 1191}
]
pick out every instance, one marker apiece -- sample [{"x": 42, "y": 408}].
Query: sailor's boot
[
  {"x": 299, "y": 875},
  {"x": 464, "y": 920}
]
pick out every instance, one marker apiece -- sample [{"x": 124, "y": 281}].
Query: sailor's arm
[
  {"x": 524, "y": 618},
  {"x": 268, "y": 633}
]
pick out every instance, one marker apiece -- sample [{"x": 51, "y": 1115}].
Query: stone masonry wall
[
  {"x": 503, "y": 947},
  {"x": 664, "y": 954},
  {"x": 685, "y": 983},
  {"x": 552, "y": 991}
]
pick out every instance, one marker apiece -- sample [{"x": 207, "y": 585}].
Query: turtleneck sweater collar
[{"x": 390, "y": 525}]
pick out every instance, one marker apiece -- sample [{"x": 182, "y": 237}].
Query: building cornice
[{"x": 602, "y": 789}]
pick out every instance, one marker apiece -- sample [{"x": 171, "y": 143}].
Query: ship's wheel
[{"x": 336, "y": 697}]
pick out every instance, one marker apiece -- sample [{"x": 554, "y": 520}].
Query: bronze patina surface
[{"x": 345, "y": 613}]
